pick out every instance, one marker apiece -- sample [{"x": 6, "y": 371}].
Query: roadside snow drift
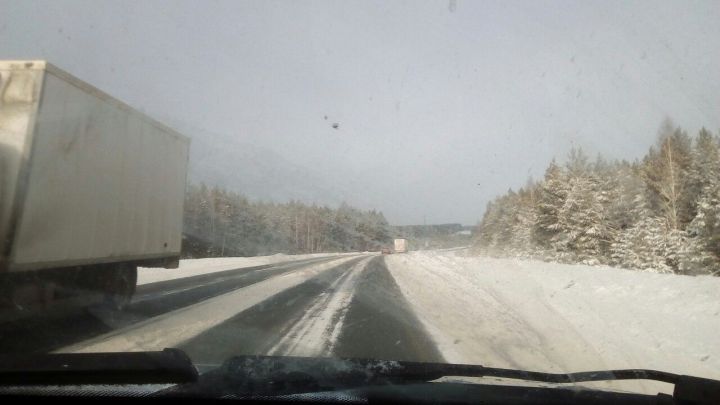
[{"x": 563, "y": 318}]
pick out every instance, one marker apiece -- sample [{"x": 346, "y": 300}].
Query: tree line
[
  {"x": 434, "y": 236},
  {"x": 660, "y": 213},
  {"x": 218, "y": 222}
]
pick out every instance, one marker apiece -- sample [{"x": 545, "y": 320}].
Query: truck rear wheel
[{"x": 121, "y": 286}]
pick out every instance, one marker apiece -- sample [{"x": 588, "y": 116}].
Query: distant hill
[
  {"x": 433, "y": 236},
  {"x": 408, "y": 231},
  {"x": 262, "y": 174}
]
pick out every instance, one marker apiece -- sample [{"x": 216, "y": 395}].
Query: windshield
[{"x": 526, "y": 185}]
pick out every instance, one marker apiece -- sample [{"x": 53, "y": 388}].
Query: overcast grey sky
[{"x": 432, "y": 97}]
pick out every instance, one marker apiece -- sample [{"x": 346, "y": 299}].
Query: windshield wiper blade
[
  {"x": 687, "y": 389},
  {"x": 275, "y": 374},
  {"x": 165, "y": 367}
]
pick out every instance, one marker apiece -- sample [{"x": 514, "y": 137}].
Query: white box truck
[
  {"x": 401, "y": 245},
  {"x": 89, "y": 188}
]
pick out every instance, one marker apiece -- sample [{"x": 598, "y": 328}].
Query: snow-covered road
[
  {"x": 337, "y": 305},
  {"x": 563, "y": 318},
  {"x": 439, "y": 306}
]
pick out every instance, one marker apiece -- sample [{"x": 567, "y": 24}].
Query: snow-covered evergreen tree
[
  {"x": 585, "y": 221},
  {"x": 702, "y": 251},
  {"x": 551, "y": 196},
  {"x": 525, "y": 217},
  {"x": 661, "y": 214}
]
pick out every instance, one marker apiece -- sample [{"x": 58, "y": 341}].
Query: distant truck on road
[
  {"x": 90, "y": 189},
  {"x": 401, "y": 246}
]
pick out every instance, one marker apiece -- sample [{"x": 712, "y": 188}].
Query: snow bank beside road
[
  {"x": 194, "y": 267},
  {"x": 560, "y": 318}
]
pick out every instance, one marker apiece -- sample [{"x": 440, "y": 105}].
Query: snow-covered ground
[
  {"x": 563, "y": 318},
  {"x": 194, "y": 267}
]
